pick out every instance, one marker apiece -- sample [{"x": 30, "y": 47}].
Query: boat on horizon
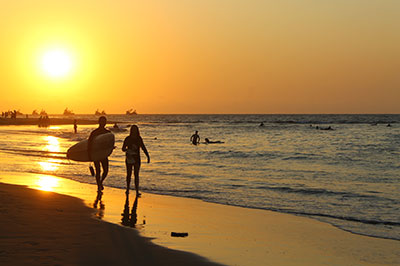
[
  {"x": 100, "y": 113},
  {"x": 131, "y": 112},
  {"x": 68, "y": 112},
  {"x": 43, "y": 112}
]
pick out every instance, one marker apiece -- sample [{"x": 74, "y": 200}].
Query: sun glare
[{"x": 56, "y": 63}]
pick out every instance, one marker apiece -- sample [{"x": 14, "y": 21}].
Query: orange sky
[{"x": 210, "y": 56}]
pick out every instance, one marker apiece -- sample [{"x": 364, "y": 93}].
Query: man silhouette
[
  {"x": 195, "y": 138},
  {"x": 104, "y": 162}
]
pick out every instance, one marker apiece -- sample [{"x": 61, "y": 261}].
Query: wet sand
[{"x": 225, "y": 234}]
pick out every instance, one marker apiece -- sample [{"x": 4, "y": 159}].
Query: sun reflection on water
[
  {"x": 53, "y": 145},
  {"x": 46, "y": 183},
  {"x": 50, "y": 165}
]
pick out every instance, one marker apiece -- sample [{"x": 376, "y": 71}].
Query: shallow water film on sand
[{"x": 342, "y": 169}]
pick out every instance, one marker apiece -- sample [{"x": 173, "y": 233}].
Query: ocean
[{"x": 348, "y": 177}]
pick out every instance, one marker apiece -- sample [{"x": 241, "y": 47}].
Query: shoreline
[{"x": 227, "y": 234}]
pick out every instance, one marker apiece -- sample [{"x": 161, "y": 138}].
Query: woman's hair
[{"x": 134, "y": 131}]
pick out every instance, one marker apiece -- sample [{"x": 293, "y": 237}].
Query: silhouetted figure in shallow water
[
  {"x": 75, "y": 126},
  {"x": 195, "y": 138},
  {"x": 129, "y": 219},
  {"x": 132, "y": 145},
  {"x": 262, "y": 124},
  {"x": 389, "y": 125},
  {"x": 104, "y": 162}
]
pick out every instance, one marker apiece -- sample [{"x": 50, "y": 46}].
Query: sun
[{"x": 56, "y": 63}]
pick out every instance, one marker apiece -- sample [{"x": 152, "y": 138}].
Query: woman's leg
[
  {"x": 128, "y": 176},
  {"x": 136, "y": 173}
]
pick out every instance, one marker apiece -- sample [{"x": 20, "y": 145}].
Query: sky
[{"x": 209, "y": 56}]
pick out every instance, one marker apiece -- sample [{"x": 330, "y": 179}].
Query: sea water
[{"x": 348, "y": 176}]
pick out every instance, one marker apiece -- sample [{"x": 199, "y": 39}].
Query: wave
[
  {"x": 240, "y": 154},
  {"x": 36, "y": 153},
  {"x": 321, "y": 191},
  {"x": 346, "y": 218}
]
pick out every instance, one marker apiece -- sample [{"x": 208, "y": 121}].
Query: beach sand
[
  {"x": 45, "y": 228},
  {"x": 225, "y": 234}
]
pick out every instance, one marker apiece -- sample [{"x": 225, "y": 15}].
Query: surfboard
[{"x": 103, "y": 145}]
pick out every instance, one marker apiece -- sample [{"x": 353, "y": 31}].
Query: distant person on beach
[
  {"x": 104, "y": 163},
  {"x": 132, "y": 145},
  {"x": 195, "y": 138},
  {"x": 262, "y": 124},
  {"x": 75, "y": 126}
]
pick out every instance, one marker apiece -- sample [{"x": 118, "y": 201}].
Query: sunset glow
[
  {"x": 56, "y": 63},
  {"x": 46, "y": 183},
  {"x": 235, "y": 57}
]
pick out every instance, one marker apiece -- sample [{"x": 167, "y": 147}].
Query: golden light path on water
[
  {"x": 50, "y": 165},
  {"x": 53, "y": 145}
]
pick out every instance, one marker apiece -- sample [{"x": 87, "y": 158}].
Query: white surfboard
[{"x": 102, "y": 147}]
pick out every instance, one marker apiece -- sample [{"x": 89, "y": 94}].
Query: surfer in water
[
  {"x": 132, "y": 145},
  {"x": 195, "y": 138},
  {"x": 104, "y": 162},
  {"x": 207, "y": 141}
]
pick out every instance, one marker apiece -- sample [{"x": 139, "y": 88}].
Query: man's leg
[
  {"x": 97, "y": 168},
  {"x": 104, "y": 164}
]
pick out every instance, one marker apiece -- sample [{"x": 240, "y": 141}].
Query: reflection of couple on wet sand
[
  {"x": 132, "y": 145},
  {"x": 129, "y": 219}
]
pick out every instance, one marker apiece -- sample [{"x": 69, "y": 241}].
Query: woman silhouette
[{"x": 131, "y": 147}]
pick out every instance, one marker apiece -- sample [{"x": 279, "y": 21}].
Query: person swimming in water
[
  {"x": 207, "y": 141},
  {"x": 195, "y": 138},
  {"x": 132, "y": 145}
]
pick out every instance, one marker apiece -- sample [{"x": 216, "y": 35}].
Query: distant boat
[
  {"x": 100, "y": 113},
  {"x": 43, "y": 112},
  {"x": 68, "y": 112},
  {"x": 131, "y": 112},
  {"x": 35, "y": 112}
]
